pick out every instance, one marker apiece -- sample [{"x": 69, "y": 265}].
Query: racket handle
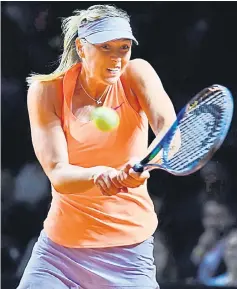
[{"x": 138, "y": 168}]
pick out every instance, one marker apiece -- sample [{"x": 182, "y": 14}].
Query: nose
[
  {"x": 115, "y": 58},
  {"x": 115, "y": 54}
]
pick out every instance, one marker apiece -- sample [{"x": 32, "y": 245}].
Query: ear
[{"x": 79, "y": 47}]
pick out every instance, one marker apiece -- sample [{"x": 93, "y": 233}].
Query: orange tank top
[{"x": 90, "y": 219}]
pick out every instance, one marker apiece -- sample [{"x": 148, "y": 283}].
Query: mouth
[{"x": 113, "y": 71}]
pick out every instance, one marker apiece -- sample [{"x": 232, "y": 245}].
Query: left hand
[{"x": 127, "y": 177}]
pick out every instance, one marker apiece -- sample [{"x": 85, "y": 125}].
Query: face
[
  {"x": 231, "y": 251},
  {"x": 210, "y": 173},
  {"x": 105, "y": 62},
  {"x": 216, "y": 216}
]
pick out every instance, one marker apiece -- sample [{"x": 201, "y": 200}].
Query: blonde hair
[{"x": 70, "y": 25}]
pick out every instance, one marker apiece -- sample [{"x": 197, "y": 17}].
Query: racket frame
[{"x": 164, "y": 144}]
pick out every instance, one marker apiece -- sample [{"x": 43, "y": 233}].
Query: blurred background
[{"x": 191, "y": 45}]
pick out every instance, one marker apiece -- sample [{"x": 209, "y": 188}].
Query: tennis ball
[{"x": 105, "y": 118}]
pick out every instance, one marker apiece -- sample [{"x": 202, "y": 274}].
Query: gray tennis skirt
[{"x": 53, "y": 266}]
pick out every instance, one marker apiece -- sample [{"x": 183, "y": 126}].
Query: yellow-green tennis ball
[{"x": 105, "y": 118}]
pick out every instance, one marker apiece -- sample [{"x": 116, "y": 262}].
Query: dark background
[{"x": 190, "y": 44}]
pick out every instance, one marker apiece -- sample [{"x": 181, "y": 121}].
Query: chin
[{"x": 111, "y": 80}]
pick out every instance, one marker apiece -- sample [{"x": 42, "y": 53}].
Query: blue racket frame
[{"x": 166, "y": 140}]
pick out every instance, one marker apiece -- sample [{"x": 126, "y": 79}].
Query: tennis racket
[{"x": 202, "y": 125}]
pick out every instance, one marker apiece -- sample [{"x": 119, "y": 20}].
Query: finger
[
  {"x": 108, "y": 191},
  {"x": 111, "y": 189},
  {"x": 113, "y": 178},
  {"x": 104, "y": 184},
  {"x": 117, "y": 183},
  {"x": 126, "y": 168},
  {"x": 130, "y": 164},
  {"x": 132, "y": 182},
  {"x": 133, "y": 177},
  {"x": 139, "y": 176},
  {"x": 111, "y": 182},
  {"x": 101, "y": 187},
  {"x": 127, "y": 181}
]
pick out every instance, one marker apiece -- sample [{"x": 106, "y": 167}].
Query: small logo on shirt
[{"x": 117, "y": 107}]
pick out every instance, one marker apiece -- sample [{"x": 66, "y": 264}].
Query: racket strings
[
  {"x": 191, "y": 150},
  {"x": 199, "y": 130}
]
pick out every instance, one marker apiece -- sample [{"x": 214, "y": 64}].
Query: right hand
[
  {"x": 107, "y": 182},
  {"x": 206, "y": 241}
]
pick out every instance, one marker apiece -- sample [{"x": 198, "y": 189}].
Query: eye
[
  {"x": 105, "y": 47},
  {"x": 125, "y": 47}
]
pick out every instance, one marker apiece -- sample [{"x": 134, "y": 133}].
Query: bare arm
[
  {"x": 50, "y": 144},
  {"x": 153, "y": 99},
  {"x": 148, "y": 89}
]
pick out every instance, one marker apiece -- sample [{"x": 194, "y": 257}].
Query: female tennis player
[{"x": 98, "y": 232}]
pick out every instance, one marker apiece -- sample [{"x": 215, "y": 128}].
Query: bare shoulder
[
  {"x": 45, "y": 94},
  {"x": 148, "y": 88},
  {"x": 139, "y": 63},
  {"x": 143, "y": 78},
  {"x": 44, "y": 90},
  {"x": 140, "y": 69}
]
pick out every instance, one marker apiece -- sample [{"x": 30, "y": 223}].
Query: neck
[{"x": 93, "y": 87}]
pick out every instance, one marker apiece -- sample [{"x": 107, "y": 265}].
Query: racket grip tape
[{"x": 138, "y": 168}]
